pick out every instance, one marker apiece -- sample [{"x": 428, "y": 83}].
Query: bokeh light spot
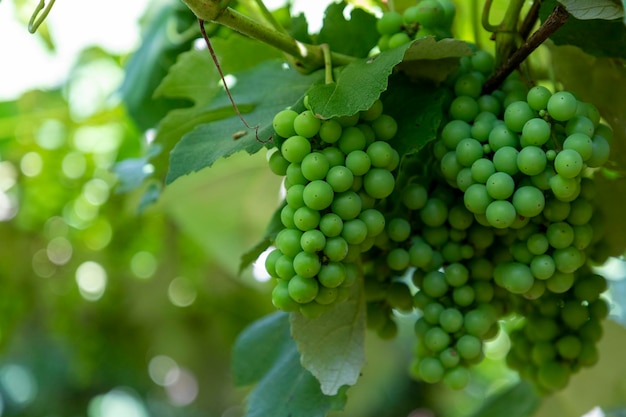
[
  {"x": 143, "y": 264},
  {"x": 96, "y": 191},
  {"x": 99, "y": 140},
  {"x": 184, "y": 390},
  {"x": 8, "y": 206},
  {"x": 74, "y": 165},
  {"x": 55, "y": 226},
  {"x": 181, "y": 292},
  {"x": 8, "y": 175},
  {"x": 42, "y": 265},
  {"x": 116, "y": 403},
  {"x": 84, "y": 210},
  {"x": 51, "y": 134},
  {"x": 91, "y": 278},
  {"x": 98, "y": 235},
  {"x": 18, "y": 384},
  {"x": 59, "y": 251},
  {"x": 31, "y": 164},
  {"x": 163, "y": 370}
]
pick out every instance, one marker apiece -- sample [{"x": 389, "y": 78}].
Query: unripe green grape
[
  {"x": 303, "y": 290},
  {"x": 270, "y": 262},
  {"x": 516, "y": 277},
  {"x": 379, "y": 183},
  {"x": 590, "y": 287},
  {"x": 414, "y": 196},
  {"x": 483, "y": 291},
  {"x": 346, "y": 205},
  {"x": 385, "y": 127},
  {"x": 468, "y": 85},
  {"x": 564, "y": 189},
  {"x": 569, "y": 347},
  {"x": 336, "y": 248},
  {"x": 463, "y": 296},
  {"x": 529, "y": 201},
  {"x": 434, "y": 213},
  {"x": 580, "y": 213},
  {"x": 278, "y": 164},
  {"x": 389, "y": 23},
  {"x": 332, "y": 274},
  {"x": 500, "y": 185},
  {"x": 389, "y": 330},
  {"x": 420, "y": 254},
  {"x": 553, "y": 376},
  {"x": 531, "y": 160},
  {"x": 537, "y": 244},
  {"x": 454, "y": 131},
  {"x": 351, "y": 139},
  {"x": 314, "y": 166},
  {"x": 481, "y": 170},
  {"x": 505, "y": 160},
  {"x": 312, "y": 241},
  {"x": 588, "y": 355},
  {"x": 469, "y": 347},
  {"x": 306, "y": 124},
  {"x": 284, "y": 267},
  {"x": 449, "y": 357},
  {"x": 598, "y": 309},
  {"x": 460, "y": 218},
  {"x": 354, "y": 231},
  {"x": 307, "y": 264},
  {"x": 601, "y": 152},
  {"x": 477, "y": 199},
  {"x": 517, "y": 114},
  {"x": 331, "y": 225},
  {"x": 580, "y": 124},
  {"x": 542, "y": 266},
  {"x": 330, "y": 131},
  {"x": 500, "y": 214},
  {"x": 340, "y": 178},
  {"x": 583, "y": 236},
  {"x": 477, "y": 322},
  {"x": 432, "y": 312},
  {"x": 562, "y": 106},
  {"x": 482, "y": 61},
  {"x": 375, "y": 110},
  {"x": 295, "y": 148},
  {"x": 288, "y": 241},
  {"x": 281, "y": 298},
  {"x": 306, "y": 218},
  {"x": 294, "y": 175},
  {"x": 358, "y": 162},
  {"x": 326, "y": 296},
  {"x": 450, "y": 166},
  {"x": 543, "y": 352},
  {"x": 450, "y": 320},
  {"x": 435, "y": 284},
  {"x": 537, "y": 97},
  {"x": 380, "y": 154},
  {"x": 430, "y": 13},
  {"x": 469, "y": 150},
  {"x": 398, "y": 39},
  {"x": 560, "y": 282},
  {"x": 283, "y": 123},
  {"x": 457, "y": 378},
  {"x": 501, "y": 136},
  {"x": 464, "y": 108},
  {"x": 436, "y": 339},
  {"x": 536, "y": 132},
  {"x": 568, "y": 259},
  {"x": 541, "y": 329},
  {"x": 436, "y": 236},
  {"x": 488, "y": 103},
  {"x": 560, "y": 235},
  {"x": 286, "y": 217},
  {"x": 574, "y": 314},
  {"x": 430, "y": 370},
  {"x": 398, "y": 259},
  {"x": 464, "y": 179},
  {"x": 568, "y": 163},
  {"x": 398, "y": 229}
]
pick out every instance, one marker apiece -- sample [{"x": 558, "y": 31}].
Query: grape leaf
[
  {"x": 418, "y": 109},
  {"x": 520, "y": 400},
  {"x": 361, "y": 82},
  {"x": 265, "y": 354},
  {"x": 260, "y": 93},
  {"x": 274, "y": 226},
  {"x": 594, "y": 9},
  {"x": 354, "y": 37},
  {"x": 332, "y": 345},
  {"x": 592, "y": 36}
]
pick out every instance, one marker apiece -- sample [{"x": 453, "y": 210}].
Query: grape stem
[
  {"x": 307, "y": 57},
  {"x": 555, "y": 20},
  {"x": 529, "y": 21},
  {"x": 328, "y": 63}
]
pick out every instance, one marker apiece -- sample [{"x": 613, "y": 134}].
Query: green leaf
[
  {"x": 275, "y": 225},
  {"x": 355, "y": 36},
  {"x": 132, "y": 172},
  {"x": 361, "y": 82},
  {"x": 265, "y": 353},
  {"x": 418, "y": 109},
  {"x": 259, "y": 93},
  {"x": 601, "y": 38},
  {"x": 594, "y": 9},
  {"x": 332, "y": 345},
  {"x": 520, "y": 400}
]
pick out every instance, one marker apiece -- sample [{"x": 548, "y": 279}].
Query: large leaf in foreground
[
  {"x": 520, "y": 400},
  {"x": 260, "y": 93},
  {"x": 265, "y": 354},
  {"x": 355, "y": 36},
  {"x": 333, "y": 345}
]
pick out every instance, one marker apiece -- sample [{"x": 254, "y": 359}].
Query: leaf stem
[
  {"x": 529, "y": 21},
  {"x": 328, "y": 63},
  {"x": 555, "y": 20},
  {"x": 269, "y": 17}
]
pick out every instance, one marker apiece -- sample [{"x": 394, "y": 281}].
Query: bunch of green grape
[
  {"x": 335, "y": 172},
  {"x": 426, "y": 18}
]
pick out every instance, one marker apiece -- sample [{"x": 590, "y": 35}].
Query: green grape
[
  {"x": 580, "y": 125},
  {"x": 288, "y": 242},
  {"x": 278, "y": 164},
  {"x": 331, "y": 225},
  {"x": 436, "y": 339},
  {"x": 306, "y": 218},
  {"x": 332, "y": 274},
  {"x": 336, "y": 249},
  {"x": 569, "y": 347},
  {"x": 450, "y": 166},
  {"x": 457, "y": 378},
  {"x": 449, "y": 357},
  {"x": 385, "y": 127},
  {"x": 377, "y": 315},
  {"x": 500, "y": 185},
  {"x": 478, "y": 322},
  {"x": 435, "y": 284},
  {"x": 431, "y": 370},
  {"x": 389, "y": 330},
  {"x": 500, "y": 214},
  {"x": 270, "y": 262},
  {"x": 286, "y": 217},
  {"x": 379, "y": 183},
  {"x": 375, "y": 110},
  {"x": 314, "y": 166},
  {"x": 374, "y": 221},
  {"x": 553, "y": 376},
  {"x": 536, "y": 132},
  {"x": 564, "y": 189},
  {"x": 464, "y": 108},
  {"x": 483, "y": 291},
  {"x": 568, "y": 259},
  {"x": 432, "y": 312},
  {"x": 453, "y": 132},
  {"x": 358, "y": 162},
  {"x": 542, "y": 267},
  {"x": 481, "y": 170},
  {"x": 354, "y": 231},
  {"x": 598, "y": 309},
  {"x": 434, "y": 213},
  {"x": 380, "y": 154},
  {"x": 284, "y": 267},
  {"x": 398, "y": 259},
  {"x": 568, "y": 163},
  {"x": 326, "y": 295},
  {"x": 574, "y": 314},
  {"x": 537, "y": 97},
  {"x": 303, "y": 290},
  {"x": 531, "y": 160},
  {"x": 600, "y": 152},
  {"x": 414, "y": 196},
  {"x": 398, "y": 229},
  {"x": 477, "y": 199},
  {"x": 520, "y": 252},
  {"x": 489, "y": 104},
  {"x": 389, "y": 23},
  {"x": 463, "y": 296},
  {"x": 330, "y": 131},
  {"x": 307, "y": 264},
  {"x": 351, "y": 139},
  {"x": 450, "y": 320},
  {"x": 468, "y": 151},
  {"x": 468, "y": 85},
  {"x": 436, "y": 236},
  {"x": 295, "y": 148},
  {"x": 469, "y": 347},
  {"x": 516, "y": 277},
  {"x": 591, "y": 331},
  {"x": 283, "y": 123},
  {"x": 281, "y": 298},
  {"x": 517, "y": 114},
  {"x": 295, "y": 176},
  {"x": 312, "y": 241},
  {"x": 456, "y": 274},
  {"x": 543, "y": 352},
  {"x": 420, "y": 254},
  {"x": 560, "y": 235},
  {"x": 460, "y": 218},
  {"x": 505, "y": 160},
  {"x": 560, "y": 282},
  {"x": 501, "y": 136},
  {"x": 562, "y": 106},
  {"x": 590, "y": 287},
  {"x": 529, "y": 201},
  {"x": 580, "y": 213},
  {"x": 541, "y": 329},
  {"x": 537, "y": 244},
  {"x": 398, "y": 39},
  {"x": 430, "y": 13},
  {"x": 306, "y": 124},
  {"x": 340, "y": 178},
  {"x": 589, "y": 355},
  {"x": 583, "y": 236},
  {"x": 346, "y": 205}
]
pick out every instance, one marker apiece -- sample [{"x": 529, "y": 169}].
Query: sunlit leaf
[
  {"x": 594, "y": 9},
  {"x": 355, "y": 36}
]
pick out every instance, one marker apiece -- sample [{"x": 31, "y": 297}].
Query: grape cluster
[
  {"x": 426, "y": 18},
  {"x": 335, "y": 172}
]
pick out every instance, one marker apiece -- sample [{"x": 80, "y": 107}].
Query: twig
[
  {"x": 555, "y": 20},
  {"x": 530, "y": 19}
]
